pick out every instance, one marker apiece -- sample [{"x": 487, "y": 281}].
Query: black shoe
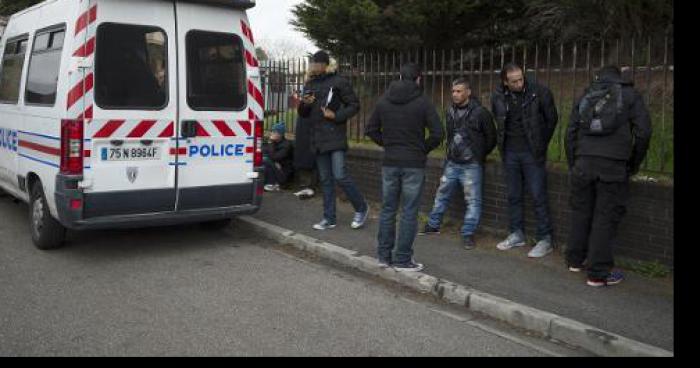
[
  {"x": 429, "y": 231},
  {"x": 469, "y": 243}
]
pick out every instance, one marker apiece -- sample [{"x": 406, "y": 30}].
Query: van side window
[
  {"x": 44, "y": 66},
  {"x": 11, "y": 74},
  {"x": 131, "y": 67},
  {"x": 216, "y": 71}
]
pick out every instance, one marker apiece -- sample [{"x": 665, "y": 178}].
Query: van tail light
[
  {"x": 72, "y": 147},
  {"x": 258, "y": 154}
]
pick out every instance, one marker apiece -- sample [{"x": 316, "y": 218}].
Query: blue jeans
[
  {"x": 404, "y": 185},
  {"x": 523, "y": 170},
  {"x": 332, "y": 169},
  {"x": 470, "y": 177}
]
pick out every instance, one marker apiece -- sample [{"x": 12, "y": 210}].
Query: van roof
[{"x": 237, "y": 4}]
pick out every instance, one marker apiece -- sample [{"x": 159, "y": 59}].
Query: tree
[
  {"x": 260, "y": 54},
  {"x": 346, "y": 26},
  {"x": 9, "y": 7}
]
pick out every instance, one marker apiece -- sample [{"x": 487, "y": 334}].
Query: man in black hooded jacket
[
  {"x": 398, "y": 124},
  {"x": 606, "y": 142}
]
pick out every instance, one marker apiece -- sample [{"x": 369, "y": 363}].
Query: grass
[{"x": 654, "y": 270}]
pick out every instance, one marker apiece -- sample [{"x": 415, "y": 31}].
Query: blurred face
[
  {"x": 275, "y": 136},
  {"x": 460, "y": 94},
  {"x": 515, "y": 81},
  {"x": 317, "y": 68}
]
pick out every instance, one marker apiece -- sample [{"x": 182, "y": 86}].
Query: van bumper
[{"x": 75, "y": 219}]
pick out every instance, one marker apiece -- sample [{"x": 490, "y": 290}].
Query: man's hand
[
  {"x": 328, "y": 114},
  {"x": 309, "y": 99}
]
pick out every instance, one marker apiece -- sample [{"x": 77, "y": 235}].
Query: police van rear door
[
  {"x": 216, "y": 131},
  {"x": 130, "y": 129}
]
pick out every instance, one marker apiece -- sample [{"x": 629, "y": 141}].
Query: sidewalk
[{"x": 639, "y": 308}]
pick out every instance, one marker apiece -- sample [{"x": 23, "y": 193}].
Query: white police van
[{"x": 130, "y": 113}]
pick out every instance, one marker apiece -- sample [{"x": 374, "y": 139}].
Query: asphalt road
[{"x": 184, "y": 291}]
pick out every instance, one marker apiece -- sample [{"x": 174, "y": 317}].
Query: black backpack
[{"x": 601, "y": 109}]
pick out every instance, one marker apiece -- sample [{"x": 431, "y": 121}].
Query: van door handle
[
  {"x": 117, "y": 143},
  {"x": 188, "y": 129}
]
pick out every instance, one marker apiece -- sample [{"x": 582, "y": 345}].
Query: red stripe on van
[
  {"x": 109, "y": 129},
  {"x": 40, "y": 148},
  {"x": 142, "y": 129},
  {"x": 255, "y": 92},
  {"x": 246, "y": 126},
  {"x": 247, "y": 31},
  {"x": 85, "y": 19},
  {"x": 87, "y": 153},
  {"x": 224, "y": 128},
  {"x": 201, "y": 132},
  {"x": 252, "y": 61},
  {"x": 79, "y": 90},
  {"x": 87, "y": 49},
  {"x": 250, "y": 150},
  {"x": 168, "y": 132},
  {"x": 178, "y": 151}
]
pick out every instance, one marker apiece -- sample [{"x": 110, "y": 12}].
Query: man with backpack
[
  {"x": 471, "y": 136},
  {"x": 606, "y": 142}
]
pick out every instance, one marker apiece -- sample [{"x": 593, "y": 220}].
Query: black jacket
[
  {"x": 329, "y": 135},
  {"x": 628, "y": 143},
  {"x": 479, "y": 124},
  {"x": 398, "y": 124},
  {"x": 282, "y": 153},
  {"x": 539, "y": 117}
]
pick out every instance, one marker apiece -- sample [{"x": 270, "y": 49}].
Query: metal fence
[{"x": 566, "y": 69}]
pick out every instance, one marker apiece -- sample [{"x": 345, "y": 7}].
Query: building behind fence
[{"x": 566, "y": 69}]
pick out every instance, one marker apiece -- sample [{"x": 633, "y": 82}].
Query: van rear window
[
  {"x": 11, "y": 75},
  {"x": 216, "y": 72},
  {"x": 131, "y": 67}
]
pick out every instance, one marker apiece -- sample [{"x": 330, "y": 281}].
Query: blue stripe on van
[
  {"x": 40, "y": 135},
  {"x": 39, "y": 161}
]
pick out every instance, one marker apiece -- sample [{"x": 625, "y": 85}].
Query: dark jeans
[
  {"x": 522, "y": 170},
  {"x": 599, "y": 193},
  {"x": 332, "y": 169},
  {"x": 406, "y": 186},
  {"x": 274, "y": 175}
]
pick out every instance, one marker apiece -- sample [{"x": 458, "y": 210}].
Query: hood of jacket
[{"x": 402, "y": 92}]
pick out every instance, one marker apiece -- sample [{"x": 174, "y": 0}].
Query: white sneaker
[
  {"x": 305, "y": 193},
  {"x": 324, "y": 225},
  {"x": 542, "y": 249},
  {"x": 360, "y": 219},
  {"x": 514, "y": 240},
  {"x": 271, "y": 188}
]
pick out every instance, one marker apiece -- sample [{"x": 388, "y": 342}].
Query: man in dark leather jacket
[
  {"x": 526, "y": 117},
  {"x": 471, "y": 136}
]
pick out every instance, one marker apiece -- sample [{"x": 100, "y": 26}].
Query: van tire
[
  {"x": 216, "y": 225},
  {"x": 47, "y": 232}
]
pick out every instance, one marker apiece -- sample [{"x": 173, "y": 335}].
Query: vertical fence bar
[
  {"x": 561, "y": 99},
  {"x": 537, "y": 62},
  {"x": 549, "y": 63},
  {"x": 481, "y": 69},
  {"x": 442, "y": 81},
  {"x": 434, "y": 68},
  {"x": 588, "y": 62},
  {"x": 573, "y": 93},
  {"x": 525, "y": 58},
  {"x": 663, "y": 106},
  {"x": 649, "y": 67}
]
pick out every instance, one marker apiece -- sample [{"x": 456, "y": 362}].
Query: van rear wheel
[
  {"x": 47, "y": 233},
  {"x": 216, "y": 225}
]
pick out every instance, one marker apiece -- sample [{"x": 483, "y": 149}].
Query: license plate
[{"x": 131, "y": 153}]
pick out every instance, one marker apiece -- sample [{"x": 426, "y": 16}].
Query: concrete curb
[{"x": 546, "y": 324}]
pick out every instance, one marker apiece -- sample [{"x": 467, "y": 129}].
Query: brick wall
[{"x": 646, "y": 232}]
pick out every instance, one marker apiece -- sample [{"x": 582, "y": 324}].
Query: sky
[{"x": 270, "y": 22}]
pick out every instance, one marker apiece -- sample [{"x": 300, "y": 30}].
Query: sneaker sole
[
  {"x": 603, "y": 284},
  {"x": 519, "y": 245},
  {"x": 542, "y": 256},
  {"x": 428, "y": 234},
  {"x": 575, "y": 270},
  {"x": 409, "y": 269},
  {"x": 325, "y": 228}
]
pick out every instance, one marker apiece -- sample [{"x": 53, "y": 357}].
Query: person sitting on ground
[{"x": 278, "y": 159}]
